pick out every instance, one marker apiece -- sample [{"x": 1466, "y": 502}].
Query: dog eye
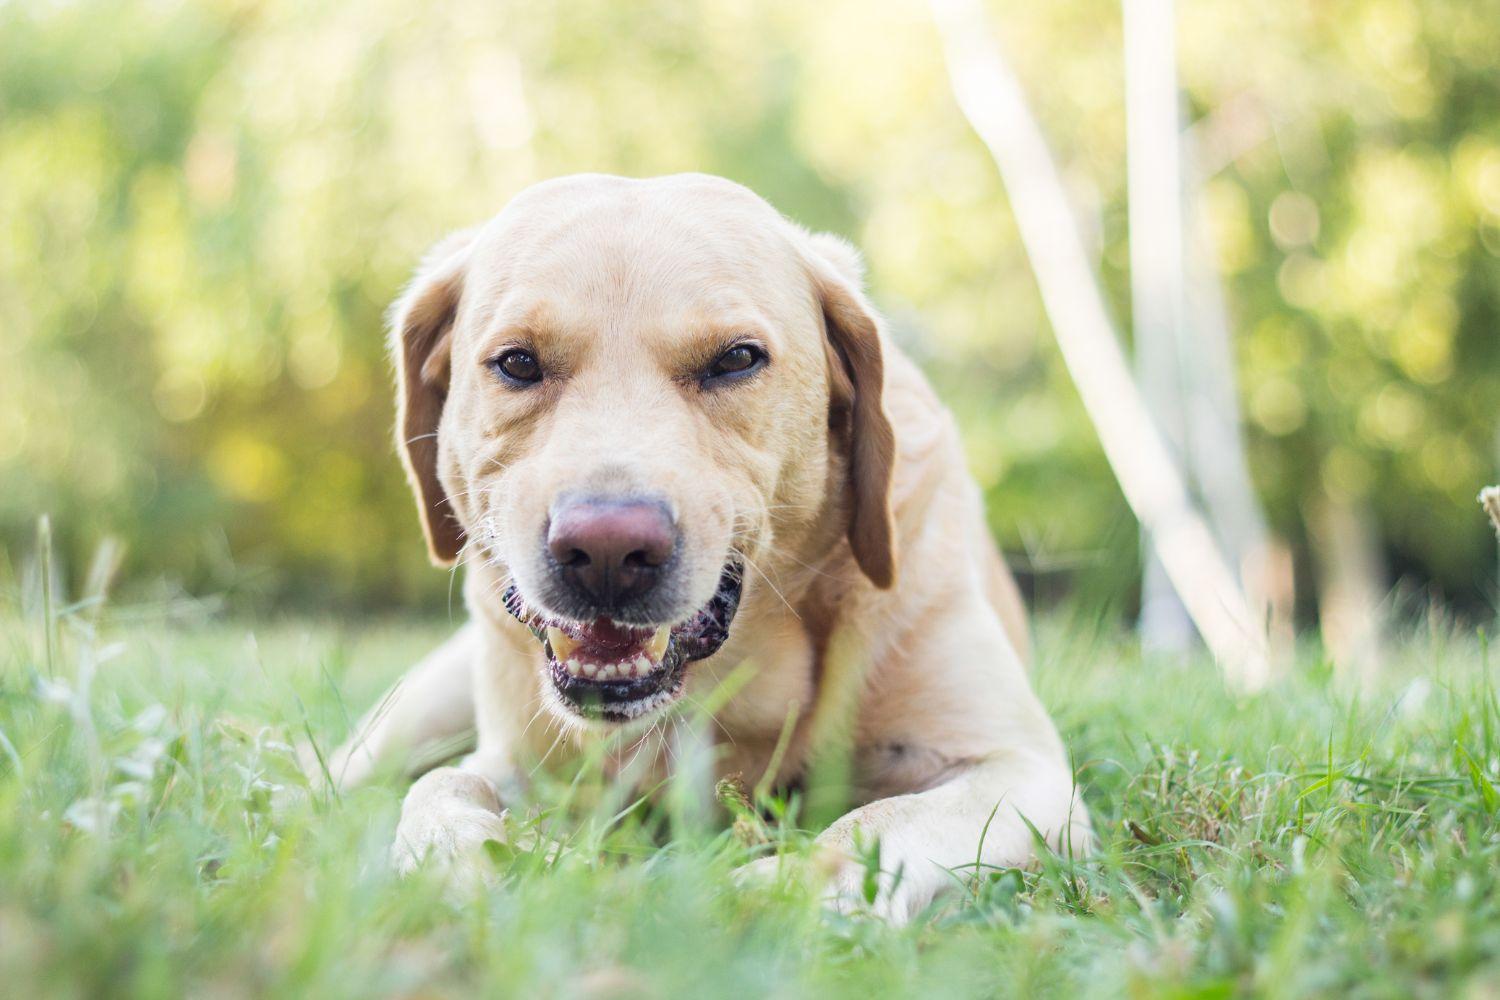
[
  {"x": 737, "y": 362},
  {"x": 517, "y": 366}
]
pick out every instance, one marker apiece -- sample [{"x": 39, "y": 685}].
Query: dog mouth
[{"x": 614, "y": 672}]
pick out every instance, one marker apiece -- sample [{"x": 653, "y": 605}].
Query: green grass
[{"x": 1297, "y": 842}]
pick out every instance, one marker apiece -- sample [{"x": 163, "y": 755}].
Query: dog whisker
[
  {"x": 695, "y": 703},
  {"x": 540, "y": 709},
  {"x": 774, "y": 589}
]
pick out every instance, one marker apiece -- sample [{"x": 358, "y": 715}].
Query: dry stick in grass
[{"x": 991, "y": 99}]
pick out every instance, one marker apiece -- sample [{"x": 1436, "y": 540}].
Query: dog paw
[
  {"x": 895, "y": 892},
  {"x": 756, "y": 874},
  {"x": 847, "y": 885},
  {"x": 446, "y": 819}
]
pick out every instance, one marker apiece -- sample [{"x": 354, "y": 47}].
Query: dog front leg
[
  {"x": 450, "y": 813},
  {"x": 446, "y": 818},
  {"x": 926, "y": 838},
  {"x": 427, "y": 716}
]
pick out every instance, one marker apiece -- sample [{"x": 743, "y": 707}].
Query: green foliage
[
  {"x": 1296, "y": 842},
  {"x": 208, "y": 207}
]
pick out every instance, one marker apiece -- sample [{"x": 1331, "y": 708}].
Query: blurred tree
[{"x": 205, "y": 208}]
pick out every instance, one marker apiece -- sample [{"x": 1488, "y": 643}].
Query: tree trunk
[
  {"x": 991, "y": 98},
  {"x": 1351, "y": 587},
  {"x": 1157, "y": 273}
]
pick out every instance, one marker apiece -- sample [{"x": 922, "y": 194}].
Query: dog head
[{"x": 631, "y": 400}]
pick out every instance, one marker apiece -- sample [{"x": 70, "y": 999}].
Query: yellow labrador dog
[{"x": 667, "y": 435}]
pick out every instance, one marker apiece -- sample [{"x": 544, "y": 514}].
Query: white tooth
[
  {"x": 606, "y": 671},
  {"x": 572, "y": 667},
  {"x": 642, "y": 665},
  {"x": 590, "y": 669},
  {"x": 562, "y": 643},
  {"x": 657, "y": 647}
]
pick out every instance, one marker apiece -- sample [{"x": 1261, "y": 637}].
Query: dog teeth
[
  {"x": 657, "y": 647},
  {"x": 640, "y": 665},
  {"x": 562, "y": 643}
]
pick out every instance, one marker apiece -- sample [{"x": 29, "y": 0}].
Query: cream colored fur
[{"x": 627, "y": 287}]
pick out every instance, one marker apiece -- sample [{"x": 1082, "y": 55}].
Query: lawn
[{"x": 1301, "y": 841}]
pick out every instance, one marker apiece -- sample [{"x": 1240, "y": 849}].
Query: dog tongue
[
  {"x": 604, "y": 641},
  {"x": 606, "y": 635}
]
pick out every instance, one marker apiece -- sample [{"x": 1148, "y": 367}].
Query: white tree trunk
[
  {"x": 991, "y": 98},
  {"x": 1351, "y": 587},
  {"x": 1158, "y": 293}
]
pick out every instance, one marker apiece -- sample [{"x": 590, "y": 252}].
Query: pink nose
[{"x": 610, "y": 550}]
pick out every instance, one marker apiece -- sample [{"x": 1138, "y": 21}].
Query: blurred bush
[{"x": 205, "y": 208}]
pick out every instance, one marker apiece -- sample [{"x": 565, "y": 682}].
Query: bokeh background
[{"x": 206, "y": 207}]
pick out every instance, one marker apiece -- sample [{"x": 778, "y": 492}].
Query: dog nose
[{"x": 611, "y": 550}]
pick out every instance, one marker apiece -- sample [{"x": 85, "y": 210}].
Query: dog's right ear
[{"x": 421, "y": 341}]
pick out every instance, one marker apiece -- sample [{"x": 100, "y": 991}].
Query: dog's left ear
[
  {"x": 421, "y": 341},
  {"x": 857, "y": 374}
]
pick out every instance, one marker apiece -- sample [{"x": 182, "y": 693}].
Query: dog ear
[
  {"x": 857, "y": 374},
  {"x": 421, "y": 339}
]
